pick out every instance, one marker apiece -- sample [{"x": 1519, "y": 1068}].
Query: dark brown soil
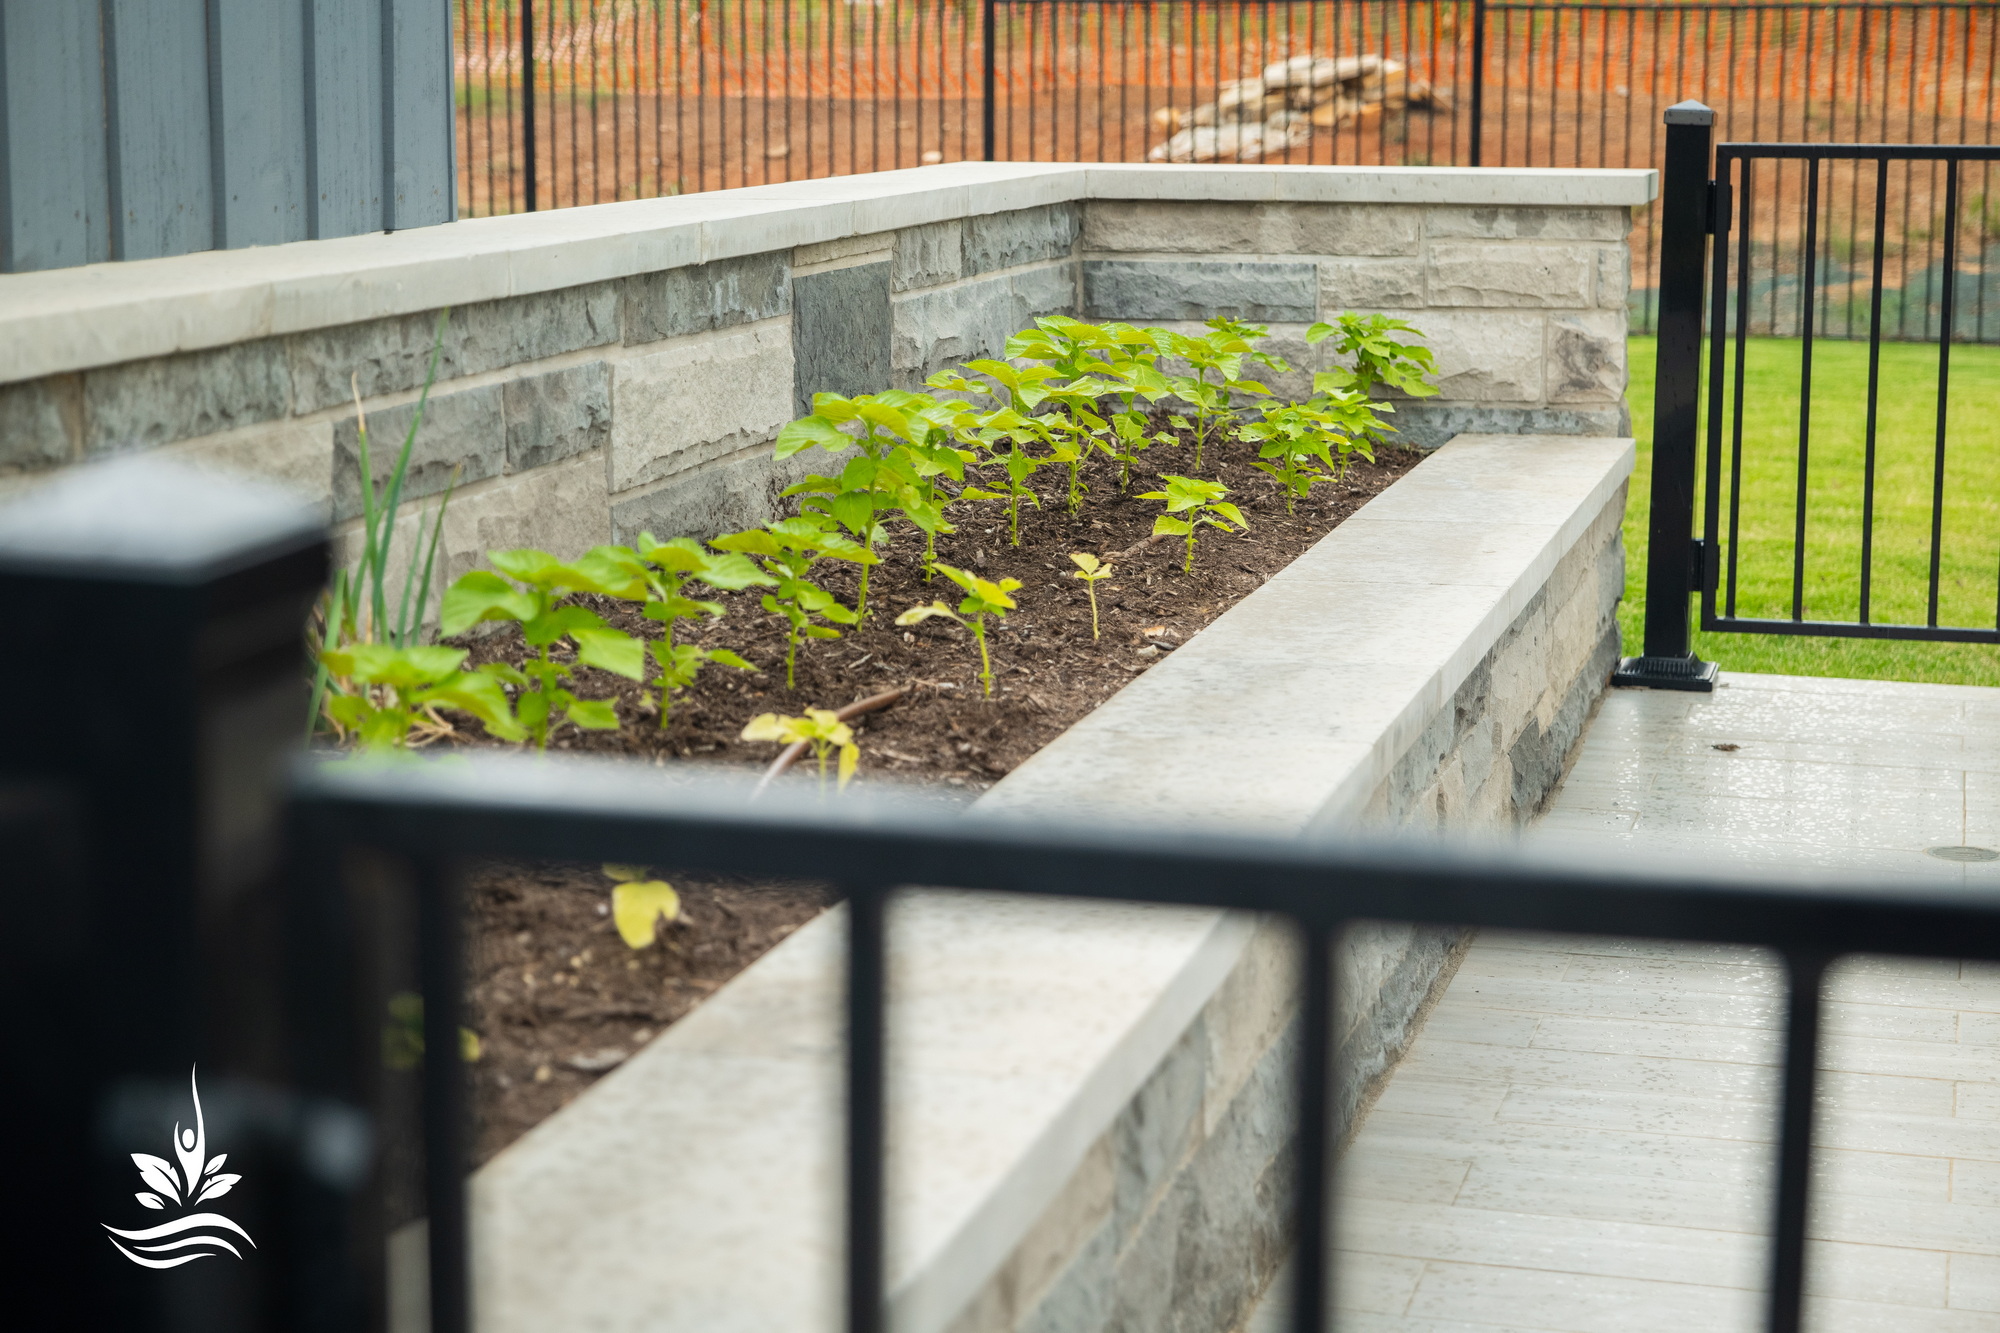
[{"x": 556, "y": 996}]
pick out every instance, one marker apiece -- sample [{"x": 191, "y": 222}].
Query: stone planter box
[{"x": 1089, "y": 1126}]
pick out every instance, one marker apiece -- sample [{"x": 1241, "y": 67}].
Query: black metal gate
[{"x": 1856, "y": 243}]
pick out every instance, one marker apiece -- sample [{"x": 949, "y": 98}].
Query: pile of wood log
[{"x": 1257, "y": 118}]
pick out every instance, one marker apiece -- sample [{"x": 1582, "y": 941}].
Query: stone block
[
  {"x": 462, "y": 439},
  {"x": 942, "y": 327},
  {"x": 41, "y": 423},
  {"x": 561, "y": 509},
  {"x": 844, "y": 250},
  {"x": 1199, "y": 289},
  {"x": 297, "y": 455},
  {"x": 928, "y": 256},
  {"x": 1482, "y": 355},
  {"x": 558, "y": 414},
  {"x": 725, "y": 495},
  {"x": 145, "y": 404},
  {"x": 1248, "y": 1013},
  {"x": 1555, "y": 277},
  {"x": 840, "y": 333},
  {"x": 699, "y": 398},
  {"x": 1369, "y": 284},
  {"x": 1147, "y": 226},
  {"x": 393, "y": 355},
  {"x": 1426, "y": 424},
  {"x": 727, "y": 292},
  {"x": 1614, "y": 277},
  {"x": 1525, "y": 223},
  {"x": 1342, "y": 229},
  {"x": 1081, "y": 1299},
  {"x": 1075, "y": 1227},
  {"x": 1023, "y": 236},
  {"x": 1159, "y": 1127},
  {"x": 1587, "y": 357},
  {"x": 1216, "y": 228}
]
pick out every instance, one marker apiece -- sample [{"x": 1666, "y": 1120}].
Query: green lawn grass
[{"x": 1906, "y": 421}]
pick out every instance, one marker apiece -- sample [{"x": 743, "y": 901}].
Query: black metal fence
[
  {"x": 432, "y": 818},
  {"x": 1826, "y": 241},
  {"x": 565, "y": 102}
]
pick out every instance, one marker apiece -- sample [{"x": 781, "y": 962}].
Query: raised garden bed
[{"x": 557, "y": 997}]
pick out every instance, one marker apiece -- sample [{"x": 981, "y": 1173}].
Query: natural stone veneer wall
[
  {"x": 1091, "y": 1128},
  {"x": 625, "y": 366}
]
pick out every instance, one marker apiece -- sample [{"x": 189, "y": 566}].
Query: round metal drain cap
[{"x": 1964, "y": 853}]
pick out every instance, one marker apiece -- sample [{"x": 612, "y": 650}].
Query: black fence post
[
  {"x": 528, "y": 100},
  {"x": 986, "y": 63},
  {"x": 1668, "y": 662},
  {"x": 141, "y": 786},
  {"x": 1478, "y": 83}
]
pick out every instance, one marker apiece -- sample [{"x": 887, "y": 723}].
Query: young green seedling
[
  {"x": 983, "y": 598},
  {"x": 389, "y": 692},
  {"x": 820, "y": 728},
  {"x": 1300, "y": 444},
  {"x": 788, "y": 549},
  {"x": 664, "y": 569},
  {"x": 879, "y": 426},
  {"x": 539, "y": 583},
  {"x": 1015, "y": 426},
  {"x": 639, "y": 903},
  {"x": 1378, "y": 359},
  {"x": 1092, "y": 571},
  {"x": 1202, "y": 505},
  {"x": 1216, "y": 358}
]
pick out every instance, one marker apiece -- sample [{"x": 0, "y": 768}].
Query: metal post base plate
[{"x": 1665, "y": 673}]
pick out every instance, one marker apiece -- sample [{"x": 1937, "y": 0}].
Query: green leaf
[
  {"x": 637, "y": 908},
  {"x": 482, "y": 595},
  {"x": 729, "y": 659},
  {"x": 808, "y": 432},
  {"x": 480, "y": 695},
  {"x": 593, "y": 714},
  {"x": 611, "y": 650},
  {"x": 1173, "y": 527}
]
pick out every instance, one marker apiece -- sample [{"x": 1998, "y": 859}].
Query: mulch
[{"x": 556, "y": 996}]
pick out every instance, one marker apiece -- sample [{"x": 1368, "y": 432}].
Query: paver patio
[{"x": 1580, "y": 1138}]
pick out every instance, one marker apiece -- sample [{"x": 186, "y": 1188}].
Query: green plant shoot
[
  {"x": 1217, "y": 359},
  {"x": 386, "y": 693},
  {"x": 1200, "y": 504},
  {"x": 539, "y": 583},
  {"x": 640, "y": 903},
  {"x": 1092, "y": 571},
  {"x": 821, "y": 728},
  {"x": 1015, "y": 425},
  {"x": 787, "y": 550},
  {"x": 983, "y": 598},
  {"x": 1379, "y": 358},
  {"x": 356, "y": 607},
  {"x": 878, "y": 426},
  {"x": 1301, "y": 444},
  {"x": 663, "y": 569}
]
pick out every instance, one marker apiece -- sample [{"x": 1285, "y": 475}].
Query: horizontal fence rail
[
  {"x": 566, "y": 102},
  {"x": 433, "y": 816},
  {"x": 1856, "y": 241}
]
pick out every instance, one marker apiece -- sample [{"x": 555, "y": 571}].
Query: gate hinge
[
  {"x": 1718, "y": 208},
  {"x": 1704, "y": 565}
]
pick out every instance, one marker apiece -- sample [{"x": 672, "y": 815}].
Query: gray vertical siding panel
[
  {"x": 258, "y": 66},
  {"x": 131, "y": 129},
  {"x": 54, "y": 211},
  {"x": 160, "y": 98},
  {"x": 419, "y": 62},
  {"x": 347, "y": 115}
]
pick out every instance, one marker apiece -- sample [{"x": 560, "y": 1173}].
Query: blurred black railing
[
  {"x": 565, "y": 102},
  {"x": 433, "y": 819}
]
